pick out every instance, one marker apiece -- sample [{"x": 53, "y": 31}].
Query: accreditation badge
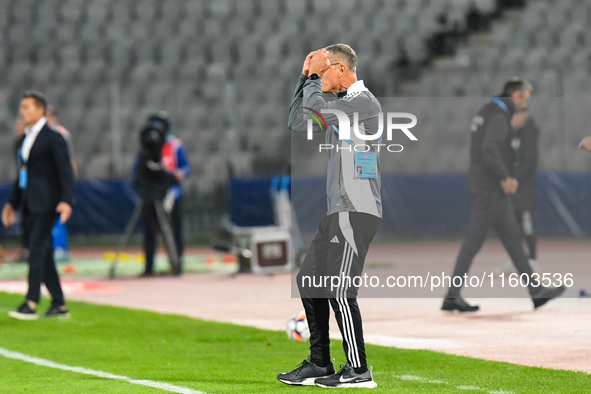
[
  {"x": 366, "y": 165},
  {"x": 22, "y": 177}
]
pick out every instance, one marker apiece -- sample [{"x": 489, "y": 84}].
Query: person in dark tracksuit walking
[
  {"x": 490, "y": 183},
  {"x": 525, "y": 147},
  {"x": 354, "y": 214}
]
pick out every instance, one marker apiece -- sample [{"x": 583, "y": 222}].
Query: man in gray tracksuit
[{"x": 354, "y": 212}]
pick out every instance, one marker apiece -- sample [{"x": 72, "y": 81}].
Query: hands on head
[
  {"x": 317, "y": 62},
  {"x": 306, "y": 68}
]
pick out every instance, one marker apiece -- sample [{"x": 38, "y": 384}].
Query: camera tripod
[{"x": 164, "y": 223}]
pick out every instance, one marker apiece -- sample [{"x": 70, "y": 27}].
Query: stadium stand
[
  {"x": 224, "y": 69},
  {"x": 546, "y": 42}
]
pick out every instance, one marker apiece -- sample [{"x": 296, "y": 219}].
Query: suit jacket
[
  {"x": 50, "y": 176},
  {"x": 17, "y": 147},
  {"x": 491, "y": 155}
]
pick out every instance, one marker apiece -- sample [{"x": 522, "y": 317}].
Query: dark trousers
[
  {"x": 490, "y": 210},
  {"x": 25, "y": 230},
  {"x": 152, "y": 229},
  {"x": 41, "y": 264},
  {"x": 525, "y": 219},
  {"x": 338, "y": 249}
]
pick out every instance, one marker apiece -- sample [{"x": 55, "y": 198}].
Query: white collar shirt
[
  {"x": 357, "y": 87},
  {"x": 31, "y": 136}
]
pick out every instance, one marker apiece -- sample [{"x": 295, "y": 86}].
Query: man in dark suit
[{"x": 44, "y": 190}]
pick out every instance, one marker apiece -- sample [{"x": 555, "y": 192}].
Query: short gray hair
[
  {"x": 346, "y": 53},
  {"x": 516, "y": 85}
]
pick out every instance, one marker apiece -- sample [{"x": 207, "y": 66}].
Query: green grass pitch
[{"x": 224, "y": 358}]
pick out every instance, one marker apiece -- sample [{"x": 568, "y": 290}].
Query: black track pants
[{"x": 337, "y": 251}]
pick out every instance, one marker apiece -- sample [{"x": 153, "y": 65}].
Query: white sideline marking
[
  {"x": 410, "y": 377},
  {"x": 419, "y": 379},
  {"x": 46, "y": 363}
]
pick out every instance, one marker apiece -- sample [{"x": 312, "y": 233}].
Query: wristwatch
[{"x": 314, "y": 77}]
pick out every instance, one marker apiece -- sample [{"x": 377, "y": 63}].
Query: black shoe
[
  {"x": 347, "y": 377},
  {"x": 306, "y": 373},
  {"x": 545, "y": 294},
  {"x": 57, "y": 311},
  {"x": 176, "y": 272},
  {"x": 24, "y": 312},
  {"x": 452, "y": 304}
]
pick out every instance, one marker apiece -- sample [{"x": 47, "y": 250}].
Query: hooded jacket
[{"x": 491, "y": 154}]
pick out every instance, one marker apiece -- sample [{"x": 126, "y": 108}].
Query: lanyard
[
  {"x": 22, "y": 172},
  {"x": 19, "y": 156},
  {"x": 337, "y": 130},
  {"x": 500, "y": 103}
]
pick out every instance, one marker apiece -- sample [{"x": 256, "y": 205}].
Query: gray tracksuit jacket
[{"x": 345, "y": 191}]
